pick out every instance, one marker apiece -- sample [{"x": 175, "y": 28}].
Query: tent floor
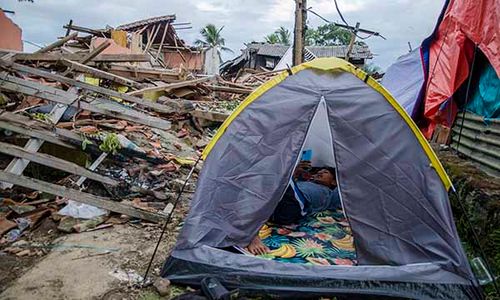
[{"x": 321, "y": 239}]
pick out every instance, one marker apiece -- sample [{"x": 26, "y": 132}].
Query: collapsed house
[
  {"x": 95, "y": 126},
  {"x": 277, "y": 57}
]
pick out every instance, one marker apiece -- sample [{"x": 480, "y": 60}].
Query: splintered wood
[{"x": 106, "y": 94}]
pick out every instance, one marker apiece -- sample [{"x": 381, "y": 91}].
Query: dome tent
[{"x": 393, "y": 191}]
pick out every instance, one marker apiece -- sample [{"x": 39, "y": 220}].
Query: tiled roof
[{"x": 141, "y": 23}]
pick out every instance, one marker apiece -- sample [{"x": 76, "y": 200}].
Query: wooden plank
[
  {"x": 17, "y": 165},
  {"x": 102, "y": 106},
  {"x": 36, "y": 133},
  {"x": 38, "y": 129},
  {"x": 229, "y": 89},
  {"x": 76, "y": 66},
  {"x": 92, "y": 54},
  {"x": 54, "y": 57},
  {"x": 54, "y": 162},
  {"x": 82, "y": 197},
  {"x": 165, "y": 29},
  {"x": 57, "y": 43},
  {"x": 171, "y": 86},
  {"x": 210, "y": 115},
  {"x": 80, "y": 84},
  {"x": 100, "y": 33},
  {"x": 115, "y": 110},
  {"x": 92, "y": 167},
  {"x": 145, "y": 73}
]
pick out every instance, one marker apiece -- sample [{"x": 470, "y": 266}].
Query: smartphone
[{"x": 307, "y": 155}]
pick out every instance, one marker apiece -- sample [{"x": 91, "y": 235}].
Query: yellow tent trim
[{"x": 331, "y": 64}]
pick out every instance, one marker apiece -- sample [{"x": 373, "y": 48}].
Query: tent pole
[
  {"x": 466, "y": 98},
  {"x": 168, "y": 220}
]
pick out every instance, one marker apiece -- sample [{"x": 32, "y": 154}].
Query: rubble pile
[{"x": 98, "y": 128}]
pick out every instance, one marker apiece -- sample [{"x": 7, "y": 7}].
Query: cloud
[{"x": 401, "y": 21}]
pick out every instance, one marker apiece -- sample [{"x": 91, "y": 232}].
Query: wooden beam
[
  {"x": 82, "y": 197},
  {"x": 54, "y": 162},
  {"x": 102, "y": 106},
  {"x": 165, "y": 29},
  {"x": 229, "y": 89},
  {"x": 34, "y": 128},
  {"x": 100, "y": 33},
  {"x": 92, "y": 54},
  {"x": 171, "y": 86},
  {"x": 210, "y": 115},
  {"x": 54, "y": 57},
  {"x": 76, "y": 66},
  {"x": 36, "y": 133},
  {"x": 57, "y": 43},
  {"x": 68, "y": 30},
  {"x": 90, "y": 87}
]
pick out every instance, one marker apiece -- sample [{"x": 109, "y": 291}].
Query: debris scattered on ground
[
  {"x": 162, "y": 286},
  {"x": 100, "y": 129}
]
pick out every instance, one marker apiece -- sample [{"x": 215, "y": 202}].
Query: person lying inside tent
[{"x": 305, "y": 195}]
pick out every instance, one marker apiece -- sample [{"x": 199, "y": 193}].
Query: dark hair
[{"x": 331, "y": 170}]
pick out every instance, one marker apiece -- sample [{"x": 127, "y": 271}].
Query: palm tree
[
  {"x": 283, "y": 35},
  {"x": 280, "y": 36},
  {"x": 212, "y": 38},
  {"x": 272, "y": 38}
]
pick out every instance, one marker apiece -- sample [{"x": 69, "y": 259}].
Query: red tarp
[{"x": 466, "y": 22}]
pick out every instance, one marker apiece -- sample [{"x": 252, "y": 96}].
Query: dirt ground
[{"x": 101, "y": 264}]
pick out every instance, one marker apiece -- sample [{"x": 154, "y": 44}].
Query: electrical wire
[
  {"x": 340, "y": 14},
  {"x": 466, "y": 98},
  {"x": 370, "y": 33}
]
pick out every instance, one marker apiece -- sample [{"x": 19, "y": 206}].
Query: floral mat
[{"x": 320, "y": 239}]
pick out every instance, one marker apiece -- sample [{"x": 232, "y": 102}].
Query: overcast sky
[{"x": 401, "y": 21}]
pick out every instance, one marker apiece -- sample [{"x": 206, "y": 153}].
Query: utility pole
[
  {"x": 354, "y": 32},
  {"x": 299, "y": 31}
]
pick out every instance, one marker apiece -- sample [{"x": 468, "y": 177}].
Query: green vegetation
[
  {"x": 212, "y": 38},
  {"x": 280, "y": 36},
  {"x": 110, "y": 143}
]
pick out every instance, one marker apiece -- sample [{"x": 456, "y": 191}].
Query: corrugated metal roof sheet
[
  {"x": 358, "y": 51},
  {"x": 275, "y": 50},
  {"x": 141, "y": 23},
  {"x": 480, "y": 141}
]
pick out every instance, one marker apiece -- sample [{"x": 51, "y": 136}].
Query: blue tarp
[{"x": 486, "y": 99}]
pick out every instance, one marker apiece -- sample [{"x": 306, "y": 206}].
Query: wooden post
[
  {"x": 57, "y": 43},
  {"x": 68, "y": 30},
  {"x": 351, "y": 43},
  {"x": 298, "y": 33}
]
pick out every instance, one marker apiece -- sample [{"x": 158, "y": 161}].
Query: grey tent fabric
[
  {"x": 396, "y": 203},
  {"x": 404, "y": 79},
  {"x": 247, "y": 172}
]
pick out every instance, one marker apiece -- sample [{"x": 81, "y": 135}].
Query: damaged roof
[
  {"x": 142, "y": 23},
  {"x": 358, "y": 51},
  {"x": 275, "y": 50}
]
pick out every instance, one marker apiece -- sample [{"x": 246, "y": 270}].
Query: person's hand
[
  {"x": 256, "y": 247},
  {"x": 302, "y": 167}
]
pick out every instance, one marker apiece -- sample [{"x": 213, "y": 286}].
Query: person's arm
[
  {"x": 256, "y": 247},
  {"x": 302, "y": 168}
]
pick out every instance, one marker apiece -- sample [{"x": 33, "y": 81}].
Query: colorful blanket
[{"x": 321, "y": 239}]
